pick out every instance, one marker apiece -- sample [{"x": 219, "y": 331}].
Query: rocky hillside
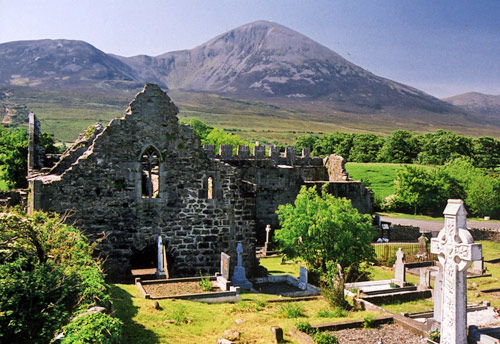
[
  {"x": 62, "y": 64},
  {"x": 483, "y": 105}
]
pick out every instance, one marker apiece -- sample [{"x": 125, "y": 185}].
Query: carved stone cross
[
  {"x": 239, "y": 251},
  {"x": 456, "y": 251}
]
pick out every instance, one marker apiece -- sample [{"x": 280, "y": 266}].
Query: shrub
[
  {"x": 93, "y": 328},
  {"x": 325, "y": 337},
  {"x": 291, "y": 310},
  {"x": 47, "y": 274},
  {"x": 303, "y": 326},
  {"x": 322, "y": 229},
  {"x": 205, "y": 284}
]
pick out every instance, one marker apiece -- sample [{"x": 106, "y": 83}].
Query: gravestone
[
  {"x": 268, "y": 229},
  {"x": 399, "y": 268},
  {"x": 437, "y": 294},
  {"x": 239, "y": 275},
  {"x": 160, "y": 270},
  {"x": 303, "y": 278},
  {"x": 425, "y": 279},
  {"x": 223, "y": 277},
  {"x": 478, "y": 267},
  {"x": 456, "y": 251},
  {"x": 422, "y": 247}
]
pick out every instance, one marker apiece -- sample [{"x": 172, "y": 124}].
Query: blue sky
[{"x": 441, "y": 47}]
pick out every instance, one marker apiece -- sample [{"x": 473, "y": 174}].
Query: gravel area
[
  {"x": 172, "y": 289},
  {"x": 483, "y": 318},
  {"x": 388, "y": 334}
]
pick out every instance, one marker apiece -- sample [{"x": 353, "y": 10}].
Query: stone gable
[{"x": 146, "y": 175}]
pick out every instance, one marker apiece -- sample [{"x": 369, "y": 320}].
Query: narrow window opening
[
  {"x": 210, "y": 185},
  {"x": 150, "y": 164}
]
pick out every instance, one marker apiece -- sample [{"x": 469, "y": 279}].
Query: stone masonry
[{"x": 146, "y": 175}]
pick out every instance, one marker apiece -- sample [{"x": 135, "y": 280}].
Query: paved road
[{"x": 437, "y": 226}]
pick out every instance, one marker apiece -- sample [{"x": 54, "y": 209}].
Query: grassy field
[{"x": 379, "y": 176}]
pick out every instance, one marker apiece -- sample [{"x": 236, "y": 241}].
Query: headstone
[
  {"x": 268, "y": 229},
  {"x": 478, "y": 266},
  {"x": 425, "y": 279},
  {"x": 277, "y": 334},
  {"x": 399, "y": 268},
  {"x": 239, "y": 276},
  {"x": 160, "y": 270},
  {"x": 437, "y": 294},
  {"x": 456, "y": 251},
  {"x": 223, "y": 277},
  {"x": 303, "y": 278},
  {"x": 225, "y": 263}
]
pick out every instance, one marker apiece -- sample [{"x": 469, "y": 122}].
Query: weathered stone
[{"x": 456, "y": 252}]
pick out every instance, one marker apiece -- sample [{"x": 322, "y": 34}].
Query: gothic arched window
[{"x": 150, "y": 173}]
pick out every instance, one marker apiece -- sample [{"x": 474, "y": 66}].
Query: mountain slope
[
  {"x": 264, "y": 60},
  {"x": 483, "y": 105},
  {"x": 62, "y": 63}
]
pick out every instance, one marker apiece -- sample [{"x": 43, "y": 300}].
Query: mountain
[
  {"x": 265, "y": 60},
  {"x": 282, "y": 70},
  {"x": 62, "y": 64},
  {"x": 483, "y": 105}
]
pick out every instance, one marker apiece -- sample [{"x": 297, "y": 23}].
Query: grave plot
[
  {"x": 191, "y": 288},
  {"x": 286, "y": 285}
]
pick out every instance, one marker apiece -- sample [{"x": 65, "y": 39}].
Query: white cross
[{"x": 456, "y": 251}]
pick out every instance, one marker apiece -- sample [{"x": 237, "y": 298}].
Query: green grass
[
  {"x": 429, "y": 218},
  {"x": 199, "y": 322},
  {"x": 379, "y": 176},
  {"x": 274, "y": 266}
]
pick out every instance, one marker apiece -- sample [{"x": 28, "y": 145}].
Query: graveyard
[
  {"x": 232, "y": 247},
  {"x": 402, "y": 317}
]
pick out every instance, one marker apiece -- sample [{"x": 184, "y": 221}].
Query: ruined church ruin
[{"x": 146, "y": 175}]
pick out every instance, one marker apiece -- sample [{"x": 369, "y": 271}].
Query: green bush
[
  {"x": 47, "y": 275},
  {"x": 93, "y": 328},
  {"x": 325, "y": 337},
  {"x": 205, "y": 284},
  {"x": 303, "y": 326}
]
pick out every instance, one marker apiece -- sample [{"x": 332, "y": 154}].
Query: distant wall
[{"x": 278, "y": 178}]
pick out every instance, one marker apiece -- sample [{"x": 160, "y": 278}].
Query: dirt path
[{"x": 437, "y": 225}]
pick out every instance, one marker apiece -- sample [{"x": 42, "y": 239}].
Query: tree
[
  {"x": 14, "y": 155},
  {"x": 483, "y": 194},
  {"x": 401, "y": 147},
  {"x": 486, "y": 152},
  {"x": 305, "y": 141},
  {"x": 337, "y": 143},
  {"x": 365, "y": 148},
  {"x": 424, "y": 191},
  {"x": 219, "y": 137},
  {"x": 200, "y": 128},
  {"x": 442, "y": 146},
  {"x": 322, "y": 229}
]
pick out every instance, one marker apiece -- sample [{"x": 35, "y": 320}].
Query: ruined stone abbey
[{"x": 146, "y": 175}]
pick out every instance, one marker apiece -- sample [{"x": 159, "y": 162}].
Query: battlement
[{"x": 274, "y": 156}]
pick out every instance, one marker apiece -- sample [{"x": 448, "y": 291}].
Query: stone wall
[
  {"x": 146, "y": 175},
  {"x": 103, "y": 192}
]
